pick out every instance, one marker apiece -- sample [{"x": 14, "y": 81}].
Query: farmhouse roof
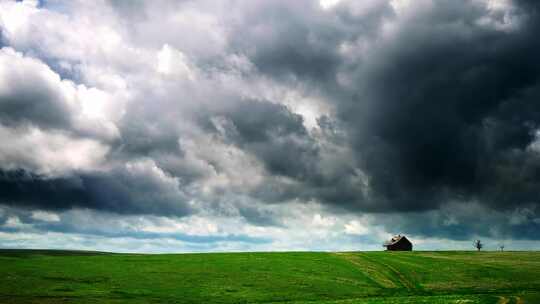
[{"x": 394, "y": 240}]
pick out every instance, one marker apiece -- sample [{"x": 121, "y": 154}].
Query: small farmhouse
[{"x": 398, "y": 243}]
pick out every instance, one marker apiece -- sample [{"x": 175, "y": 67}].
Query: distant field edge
[
  {"x": 16, "y": 251},
  {"x": 54, "y": 251}
]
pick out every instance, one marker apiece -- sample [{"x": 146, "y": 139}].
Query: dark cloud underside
[{"x": 119, "y": 191}]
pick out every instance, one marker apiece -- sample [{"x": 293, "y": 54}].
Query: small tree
[{"x": 478, "y": 245}]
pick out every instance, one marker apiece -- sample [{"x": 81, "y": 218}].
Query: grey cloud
[
  {"x": 88, "y": 223},
  {"x": 23, "y": 88},
  {"x": 433, "y": 113},
  {"x": 278, "y": 138},
  {"x": 259, "y": 217},
  {"x": 465, "y": 221},
  {"x": 272, "y": 133},
  {"x": 300, "y": 39},
  {"x": 120, "y": 191},
  {"x": 425, "y": 131},
  {"x": 33, "y": 94}
]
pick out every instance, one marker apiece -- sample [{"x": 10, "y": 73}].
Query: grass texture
[{"x": 39, "y": 276}]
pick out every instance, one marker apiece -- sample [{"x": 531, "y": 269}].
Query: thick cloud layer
[
  {"x": 437, "y": 99},
  {"x": 139, "y": 188},
  {"x": 403, "y": 110},
  {"x": 452, "y": 115}
]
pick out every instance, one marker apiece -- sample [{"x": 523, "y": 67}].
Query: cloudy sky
[{"x": 193, "y": 126}]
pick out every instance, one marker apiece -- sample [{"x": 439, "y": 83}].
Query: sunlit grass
[{"x": 296, "y": 277}]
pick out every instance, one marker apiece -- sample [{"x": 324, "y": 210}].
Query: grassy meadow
[{"x": 33, "y": 276}]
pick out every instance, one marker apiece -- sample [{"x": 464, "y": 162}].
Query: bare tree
[{"x": 478, "y": 245}]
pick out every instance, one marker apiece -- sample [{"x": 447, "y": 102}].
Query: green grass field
[{"x": 303, "y": 277}]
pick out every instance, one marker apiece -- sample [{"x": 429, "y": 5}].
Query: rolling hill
[{"x": 41, "y": 276}]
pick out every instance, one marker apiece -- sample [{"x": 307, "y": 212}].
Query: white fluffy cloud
[
  {"x": 32, "y": 93},
  {"x": 50, "y": 153}
]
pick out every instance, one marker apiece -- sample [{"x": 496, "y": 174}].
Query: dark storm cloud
[
  {"x": 119, "y": 191},
  {"x": 443, "y": 114},
  {"x": 278, "y": 138},
  {"x": 271, "y": 132},
  {"x": 445, "y": 110},
  {"x": 284, "y": 38}
]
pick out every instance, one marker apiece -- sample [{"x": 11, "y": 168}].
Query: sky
[{"x": 269, "y": 125}]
